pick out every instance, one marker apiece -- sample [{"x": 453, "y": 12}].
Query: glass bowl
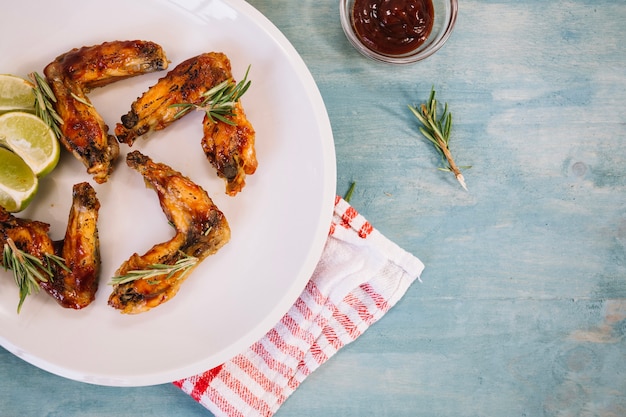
[{"x": 444, "y": 12}]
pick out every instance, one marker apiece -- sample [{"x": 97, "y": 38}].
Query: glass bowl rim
[{"x": 419, "y": 54}]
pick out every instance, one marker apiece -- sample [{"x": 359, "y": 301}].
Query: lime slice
[
  {"x": 32, "y": 139},
  {"x": 18, "y": 183},
  {"x": 16, "y": 94}
]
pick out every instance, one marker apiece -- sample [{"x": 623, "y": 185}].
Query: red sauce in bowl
[{"x": 393, "y": 27}]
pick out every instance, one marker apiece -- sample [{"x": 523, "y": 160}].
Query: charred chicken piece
[
  {"x": 76, "y": 286},
  {"x": 230, "y": 148},
  {"x": 73, "y": 74},
  {"x": 83, "y": 132},
  {"x": 184, "y": 84},
  {"x": 201, "y": 229}
]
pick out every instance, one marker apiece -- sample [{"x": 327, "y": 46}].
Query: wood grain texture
[{"x": 522, "y": 309}]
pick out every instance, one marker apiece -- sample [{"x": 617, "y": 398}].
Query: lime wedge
[
  {"x": 16, "y": 94},
  {"x": 30, "y": 138},
  {"x": 18, "y": 183}
]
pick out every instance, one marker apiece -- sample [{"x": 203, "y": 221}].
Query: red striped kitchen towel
[{"x": 359, "y": 277}]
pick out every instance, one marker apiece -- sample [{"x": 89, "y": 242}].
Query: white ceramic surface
[{"x": 279, "y": 222}]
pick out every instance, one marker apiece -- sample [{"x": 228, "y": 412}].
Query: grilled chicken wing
[
  {"x": 201, "y": 230},
  {"x": 99, "y": 65},
  {"x": 76, "y": 287},
  {"x": 184, "y": 84},
  {"x": 84, "y": 132},
  {"x": 73, "y": 74},
  {"x": 230, "y": 148}
]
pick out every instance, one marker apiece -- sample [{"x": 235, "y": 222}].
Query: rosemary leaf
[
  {"x": 81, "y": 100},
  {"x": 348, "y": 195}
]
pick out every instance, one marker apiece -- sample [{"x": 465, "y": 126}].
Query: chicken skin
[
  {"x": 73, "y": 74},
  {"x": 73, "y": 286},
  {"x": 201, "y": 229},
  {"x": 184, "y": 84},
  {"x": 230, "y": 148}
]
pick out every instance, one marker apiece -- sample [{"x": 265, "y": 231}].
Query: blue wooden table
[{"x": 522, "y": 309}]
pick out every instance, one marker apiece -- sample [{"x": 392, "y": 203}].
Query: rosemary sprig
[
  {"x": 44, "y": 103},
  {"x": 183, "y": 265},
  {"x": 219, "y": 101},
  {"x": 28, "y": 270},
  {"x": 437, "y": 130}
]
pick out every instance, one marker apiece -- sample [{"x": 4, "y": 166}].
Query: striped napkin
[{"x": 359, "y": 277}]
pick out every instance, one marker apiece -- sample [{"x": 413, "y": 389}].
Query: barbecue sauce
[{"x": 393, "y": 27}]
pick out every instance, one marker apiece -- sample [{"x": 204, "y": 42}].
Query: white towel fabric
[{"x": 359, "y": 277}]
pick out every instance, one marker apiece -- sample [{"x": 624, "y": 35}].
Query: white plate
[{"x": 279, "y": 222}]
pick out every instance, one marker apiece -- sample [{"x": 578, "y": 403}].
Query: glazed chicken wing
[
  {"x": 100, "y": 65},
  {"x": 73, "y": 74},
  {"x": 230, "y": 148},
  {"x": 184, "y": 84},
  {"x": 200, "y": 230},
  {"x": 83, "y": 132},
  {"x": 74, "y": 287}
]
